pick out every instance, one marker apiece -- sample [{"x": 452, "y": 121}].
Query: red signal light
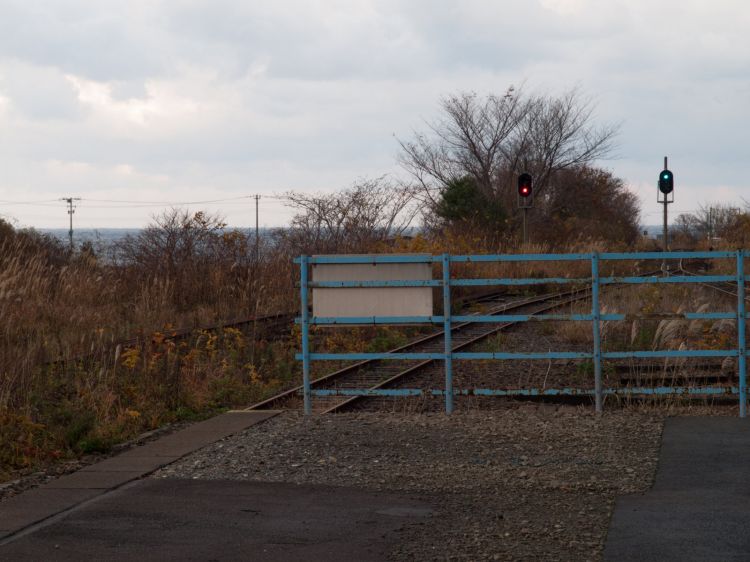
[{"x": 524, "y": 185}]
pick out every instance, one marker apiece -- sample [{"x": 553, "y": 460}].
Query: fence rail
[{"x": 595, "y": 281}]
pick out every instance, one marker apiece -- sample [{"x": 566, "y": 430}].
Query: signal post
[
  {"x": 525, "y": 199},
  {"x": 666, "y": 192},
  {"x": 665, "y": 195}
]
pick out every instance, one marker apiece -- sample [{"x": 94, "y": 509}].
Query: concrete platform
[
  {"x": 699, "y": 507},
  {"x": 66, "y": 492},
  {"x": 126, "y": 463},
  {"x": 172, "y": 519}
]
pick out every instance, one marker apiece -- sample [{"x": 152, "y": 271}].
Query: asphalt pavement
[
  {"x": 157, "y": 519},
  {"x": 699, "y": 506},
  {"x": 113, "y": 510},
  {"x": 63, "y": 494}
]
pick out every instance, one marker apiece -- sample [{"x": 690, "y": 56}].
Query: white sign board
[{"x": 372, "y": 301}]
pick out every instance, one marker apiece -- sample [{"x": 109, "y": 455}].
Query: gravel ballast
[{"x": 528, "y": 482}]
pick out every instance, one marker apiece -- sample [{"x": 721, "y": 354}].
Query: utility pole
[
  {"x": 257, "y": 231},
  {"x": 71, "y": 210},
  {"x": 256, "y": 266},
  {"x": 666, "y": 191}
]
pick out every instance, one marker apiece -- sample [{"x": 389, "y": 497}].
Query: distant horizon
[
  {"x": 111, "y": 228},
  {"x": 49, "y": 228},
  {"x": 88, "y": 229}
]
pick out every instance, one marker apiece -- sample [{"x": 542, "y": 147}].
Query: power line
[
  {"x": 168, "y": 202},
  {"x": 133, "y": 204},
  {"x": 45, "y": 203},
  {"x": 128, "y": 201}
]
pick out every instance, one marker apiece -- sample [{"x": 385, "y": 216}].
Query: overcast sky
[{"x": 198, "y": 100}]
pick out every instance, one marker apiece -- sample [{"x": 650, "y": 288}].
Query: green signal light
[{"x": 666, "y": 181}]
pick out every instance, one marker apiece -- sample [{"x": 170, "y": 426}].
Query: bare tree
[
  {"x": 496, "y": 137},
  {"x": 709, "y": 222},
  {"x": 473, "y": 137},
  {"x": 558, "y": 134},
  {"x": 180, "y": 247},
  {"x": 352, "y": 220}
]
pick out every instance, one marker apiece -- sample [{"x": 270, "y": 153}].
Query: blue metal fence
[{"x": 595, "y": 317}]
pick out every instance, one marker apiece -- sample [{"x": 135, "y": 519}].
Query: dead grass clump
[{"x": 67, "y": 387}]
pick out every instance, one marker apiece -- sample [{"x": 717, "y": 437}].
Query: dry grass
[{"x": 68, "y": 387}]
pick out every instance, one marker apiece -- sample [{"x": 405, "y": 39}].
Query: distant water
[
  {"x": 97, "y": 236},
  {"x": 105, "y": 237},
  {"x": 654, "y": 230},
  {"x": 100, "y": 237}
]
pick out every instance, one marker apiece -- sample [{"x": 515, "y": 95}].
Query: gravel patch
[{"x": 524, "y": 483}]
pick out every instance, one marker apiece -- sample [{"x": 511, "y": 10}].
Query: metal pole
[
  {"x": 595, "y": 311},
  {"x": 305, "y": 336},
  {"x": 257, "y": 235},
  {"x": 70, "y": 214},
  {"x": 666, "y": 232},
  {"x": 525, "y": 218},
  {"x": 447, "y": 334},
  {"x": 71, "y": 210},
  {"x": 741, "y": 345}
]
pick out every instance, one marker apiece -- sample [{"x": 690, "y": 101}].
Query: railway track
[
  {"x": 728, "y": 288},
  {"x": 376, "y": 374},
  {"x": 701, "y": 373},
  {"x": 270, "y": 325},
  {"x": 382, "y": 374}
]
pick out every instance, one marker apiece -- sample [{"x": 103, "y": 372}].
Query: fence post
[
  {"x": 595, "y": 311},
  {"x": 305, "y": 335},
  {"x": 741, "y": 345},
  {"x": 447, "y": 334}
]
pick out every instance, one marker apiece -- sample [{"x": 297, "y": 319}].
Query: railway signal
[
  {"x": 525, "y": 198},
  {"x": 525, "y": 184},
  {"x": 666, "y": 181}
]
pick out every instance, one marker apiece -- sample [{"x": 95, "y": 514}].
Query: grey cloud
[
  {"x": 89, "y": 39},
  {"x": 312, "y": 92},
  {"x": 39, "y": 93}
]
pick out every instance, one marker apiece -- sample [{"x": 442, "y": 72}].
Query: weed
[{"x": 494, "y": 343}]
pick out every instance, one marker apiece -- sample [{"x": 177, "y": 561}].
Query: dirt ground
[{"x": 526, "y": 482}]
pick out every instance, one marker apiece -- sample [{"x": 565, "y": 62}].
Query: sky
[{"x": 130, "y": 104}]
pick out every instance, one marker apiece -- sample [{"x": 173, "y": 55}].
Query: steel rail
[
  {"x": 264, "y": 323},
  {"x": 425, "y": 339},
  {"x": 356, "y": 367},
  {"x": 493, "y": 330},
  {"x": 346, "y": 370},
  {"x": 576, "y": 295},
  {"x": 730, "y": 292}
]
